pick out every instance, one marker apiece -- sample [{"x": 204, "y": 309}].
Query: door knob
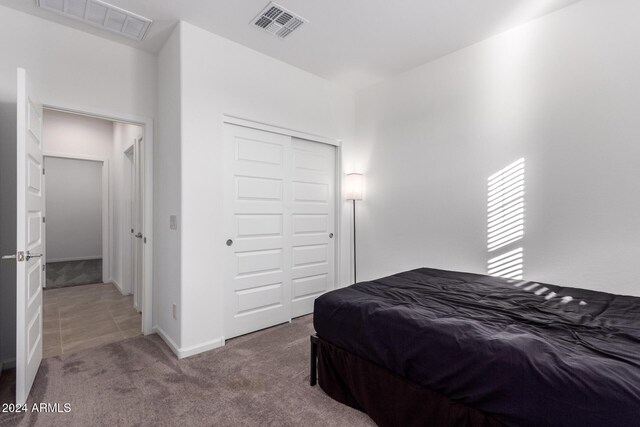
[
  {"x": 331, "y": 235},
  {"x": 229, "y": 242},
  {"x": 139, "y": 235},
  {"x": 30, "y": 255},
  {"x": 18, "y": 256}
]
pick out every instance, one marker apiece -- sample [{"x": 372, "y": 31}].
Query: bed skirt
[{"x": 387, "y": 398}]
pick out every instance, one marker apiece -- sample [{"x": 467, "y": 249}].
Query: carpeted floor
[
  {"x": 73, "y": 273},
  {"x": 258, "y": 379}
]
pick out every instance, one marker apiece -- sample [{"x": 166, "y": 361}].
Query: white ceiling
[{"x": 352, "y": 42}]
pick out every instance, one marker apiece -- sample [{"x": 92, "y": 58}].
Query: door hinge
[
  {"x": 43, "y": 267},
  {"x": 42, "y": 171},
  {"x": 43, "y": 219}
]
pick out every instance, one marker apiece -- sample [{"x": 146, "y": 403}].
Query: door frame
[
  {"x": 339, "y": 201},
  {"x": 106, "y": 218},
  {"x": 147, "y": 229}
]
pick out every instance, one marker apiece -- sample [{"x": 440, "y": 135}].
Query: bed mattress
[{"x": 525, "y": 353}]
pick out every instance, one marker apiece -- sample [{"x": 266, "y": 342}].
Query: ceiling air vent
[
  {"x": 101, "y": 14},
  {"x": 278, "y": 21}
]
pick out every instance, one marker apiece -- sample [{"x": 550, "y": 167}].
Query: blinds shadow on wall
[{"x": 505, "y": 227}]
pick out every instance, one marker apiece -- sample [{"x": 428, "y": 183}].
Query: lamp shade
[{"x": 354, "y": 186}]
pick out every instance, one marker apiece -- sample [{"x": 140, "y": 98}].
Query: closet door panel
[
  {"x": 257, "y": 285},
  {"x": 312, "y": 223}
]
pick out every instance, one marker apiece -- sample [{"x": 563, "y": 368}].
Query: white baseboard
[
  {"x": 165, "y": 337},
  {"x": 117, "y": 285},
  {"x": 181, "y": 353},
  {"x": 83, "y": 258},
  {"x": 201, "y": 348}
]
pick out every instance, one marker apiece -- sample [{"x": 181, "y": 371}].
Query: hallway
[{"x": 81, "y": 317}]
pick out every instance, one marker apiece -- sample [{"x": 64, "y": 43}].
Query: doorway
[
  {"x": 24, "y": 257},
  {"x": 89, "y": 197},
  {"x": 75, "y": 192}
]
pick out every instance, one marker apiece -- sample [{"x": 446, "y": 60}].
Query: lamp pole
[
  {"x": 354, "y": 191},
  {"x": 355, "y": 258}
]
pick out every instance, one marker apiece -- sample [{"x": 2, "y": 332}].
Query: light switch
[{"x": 173, "y": 222}]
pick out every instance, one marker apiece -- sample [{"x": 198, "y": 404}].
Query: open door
[
  {"x": 137, "y": 215},
  {"x": 30, "y": 233}
]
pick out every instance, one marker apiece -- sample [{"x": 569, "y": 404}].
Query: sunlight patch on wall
[
  {"x": 505, "y": 226},
  {"x": 507, "y": 265}
]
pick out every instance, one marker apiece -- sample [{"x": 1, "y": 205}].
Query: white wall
[
  {"x": 74, "y": 134},
  {"x": 562, "y": 92},
  {"x": 73, "y": 190},
  {"x": 167, "y": 178},
  {"x": 217, "y": 77},
  {"x": 71, "y": 68}
]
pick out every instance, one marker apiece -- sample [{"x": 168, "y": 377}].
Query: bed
[{"x": 441, "y": 348}]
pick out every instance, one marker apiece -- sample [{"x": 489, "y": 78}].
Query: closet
[{"x": 279, "y": 205}]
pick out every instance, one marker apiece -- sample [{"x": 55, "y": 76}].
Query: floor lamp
[{"x": 354, "y": 189}]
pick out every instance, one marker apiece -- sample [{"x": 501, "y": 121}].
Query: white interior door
[
  {"x": 138, "y": 196},
  {"x": 29, "y": 212},
  {"x": 312, "y": 223},
  {"x": 128, "y": 227},
  {"x": 257, "y": 289}
]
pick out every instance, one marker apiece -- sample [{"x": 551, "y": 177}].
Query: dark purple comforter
[{"x": 512, "y": 349}]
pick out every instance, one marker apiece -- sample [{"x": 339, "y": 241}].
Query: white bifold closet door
[{"x": 280, "y": 210}]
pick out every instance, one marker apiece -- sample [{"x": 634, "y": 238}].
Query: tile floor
[{"x": 86, "y": 316}]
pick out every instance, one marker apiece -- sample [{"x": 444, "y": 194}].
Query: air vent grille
[
  {"x": 102, "y": 15},
  {"x": 277, "y": 20}
]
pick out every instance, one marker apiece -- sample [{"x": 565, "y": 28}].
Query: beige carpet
[{"x": 259, "y": 379}]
